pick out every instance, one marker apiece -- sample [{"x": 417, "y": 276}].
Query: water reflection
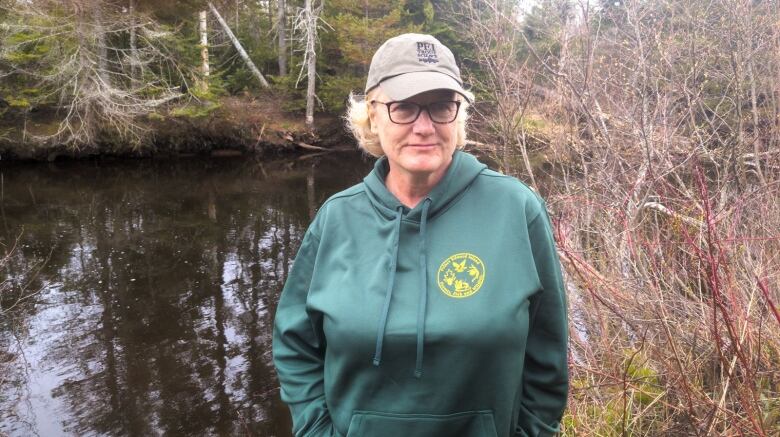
[{"x": 156, "y": 298}]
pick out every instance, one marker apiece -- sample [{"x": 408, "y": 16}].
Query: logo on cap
[{"x": 426, "y": 53}]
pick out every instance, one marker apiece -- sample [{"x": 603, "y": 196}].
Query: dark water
[{"x": 148, "y": 290}]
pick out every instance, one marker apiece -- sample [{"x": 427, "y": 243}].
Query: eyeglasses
[{"x": 407, "y": 112}]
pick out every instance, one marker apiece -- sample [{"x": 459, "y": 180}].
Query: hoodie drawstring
[
  {"x": 423, "y": 290},
  {"x": 380, "y": 334},
  {"x": 423, "y": 301}
]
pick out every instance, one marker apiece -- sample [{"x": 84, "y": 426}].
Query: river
[{"x": 146, "y": 291}]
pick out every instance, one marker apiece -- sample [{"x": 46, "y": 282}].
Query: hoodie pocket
[{"x": 464, "y": 424}]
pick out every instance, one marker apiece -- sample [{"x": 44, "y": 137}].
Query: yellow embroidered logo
[{"x": 461, "y": 275}]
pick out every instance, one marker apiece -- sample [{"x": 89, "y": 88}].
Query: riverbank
[{"x": 234, "y": 125}]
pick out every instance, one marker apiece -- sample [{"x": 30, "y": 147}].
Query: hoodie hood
[{"x": 462, "y": 171}]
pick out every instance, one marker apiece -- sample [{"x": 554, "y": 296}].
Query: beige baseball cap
[{"x": 412, "y": 63}]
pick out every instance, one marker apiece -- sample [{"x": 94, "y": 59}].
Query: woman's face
[{"x": 422, "y": 148}]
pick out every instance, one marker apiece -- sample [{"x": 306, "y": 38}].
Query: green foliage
[
  {"x": 420, "y": 12},
  {"x": 254, "y": 35},
  {"x": 446, "y": 27},
  {"x": 195, "y": 110},
  {"x": 607, "y": 417},
  {"x": 24, "y": 37},
  {"x": 171, "y": 12},
  {"x": 18, "y": 102},
  {"x": 335, "y": 90},
  {"x": 544, "y": 24},
  {"x": 643, "y": 377},
  {"x": 360, "y": 31},
  {"x": 37, "y": 49},
  {"x": 355, "y": 31},
  {"x": 27, "y": 51},
  {"x": 631, "y": 407},
  {"x": 212, "y": 92},
  {"x": 295, "y": 97}
]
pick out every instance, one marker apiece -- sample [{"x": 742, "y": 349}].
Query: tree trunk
[
  {"x": 311, "y": 59},
  {"x": 238, "y": 47},
  {"x": 102, "y": 46},
  {"x": 204, "y": 50},
  {"x": 133, "y": 44},
  {"x": 281, "y": 31}
]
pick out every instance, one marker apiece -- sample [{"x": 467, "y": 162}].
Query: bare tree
[
  {"x": 306, "y": 25},
  {"x": 281, "y": 34},
  {"x": 134, "y": 67},
  {"x": 508, "y": 80},
  {"x": 86, "y": 73}
]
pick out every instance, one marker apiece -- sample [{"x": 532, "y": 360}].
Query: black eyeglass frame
[{"x": 420, "y": 110}]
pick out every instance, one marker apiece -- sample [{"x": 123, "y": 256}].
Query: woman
[{"x": 427, "y": 300}]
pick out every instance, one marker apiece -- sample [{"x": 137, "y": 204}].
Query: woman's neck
[{"x": 411, "y": 188}]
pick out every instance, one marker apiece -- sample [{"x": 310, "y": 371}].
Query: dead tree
[
  {"x": 134, "y": 68},
  {"x": 81, "y": 79},
  {"x": 306, "y": 26},
  {"x": 281, "y": 32},
  {"x": 239, "y": 47}
]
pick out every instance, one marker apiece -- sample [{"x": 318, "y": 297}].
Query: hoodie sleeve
[
  {"x": 299, "y": 348},
  {"x": 545, "y": 377}
]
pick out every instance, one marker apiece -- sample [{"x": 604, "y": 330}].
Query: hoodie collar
[{"x": 463, "y": 169}]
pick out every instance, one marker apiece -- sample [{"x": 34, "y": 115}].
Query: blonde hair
[{"x": 359, "y": 122}]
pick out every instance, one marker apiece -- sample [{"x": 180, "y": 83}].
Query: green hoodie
[{"x": 448, "y": 319}]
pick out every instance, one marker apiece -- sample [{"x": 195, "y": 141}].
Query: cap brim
[{"x": 406, "y": 85}]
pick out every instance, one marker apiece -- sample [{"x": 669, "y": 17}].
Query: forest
[
  {"x": 108, "y": 75},
  {"x": 651, "y": 127}
]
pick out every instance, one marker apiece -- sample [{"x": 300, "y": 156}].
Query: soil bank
[{"x": 234, "y": 125}]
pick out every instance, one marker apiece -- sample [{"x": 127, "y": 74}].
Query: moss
[
  {"x": 596, "y": 419},
  {"x": 534, "y": 124},
  {"x": 19, "y": 102},
  {"x": 32, "y": 92},
  {"x": 196, "y": 110},
  {"x": 23, "y": 37},
  {"x": 643, "y": 377},
  {"x": 609, "y": 410}
]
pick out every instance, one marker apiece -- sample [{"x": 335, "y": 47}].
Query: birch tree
[
  {"x": 311, "y": 59},
  {"x": 204, "y": 49}
]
